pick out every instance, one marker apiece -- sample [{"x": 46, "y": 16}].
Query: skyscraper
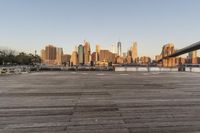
[
  {"x": 50, "y": 51},
  {"x": 129, "y": 56},
  {"x": 87, "y": 52},
  {"x": 193, "y": 57},
  {"x": 52, "y": 55},
  {"x": 59, "y": 54},
  {"x": 134, "y": 53},
  {"x": 97, "y": 52},
  {"x": 81, "y": 54},
  {"x": 74, "y": 58},
  {"x": 119, "y": 49}
]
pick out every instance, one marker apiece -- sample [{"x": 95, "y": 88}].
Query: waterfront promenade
[{"x": 100, "y": 102}]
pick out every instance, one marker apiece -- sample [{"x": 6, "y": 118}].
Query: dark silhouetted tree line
[{"x": 9, "y": 57}]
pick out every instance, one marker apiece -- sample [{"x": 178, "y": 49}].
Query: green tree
[{"x": 10, "y": 57}]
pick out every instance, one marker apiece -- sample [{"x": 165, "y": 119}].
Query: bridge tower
[{"x": 167, "y": 50}]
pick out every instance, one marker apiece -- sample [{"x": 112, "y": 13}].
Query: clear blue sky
[{"x": 26, "y": 25}]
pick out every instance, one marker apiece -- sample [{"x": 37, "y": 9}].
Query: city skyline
[
  {"x": 83, "y": 55},
  {"x": 30, "y": 25}
]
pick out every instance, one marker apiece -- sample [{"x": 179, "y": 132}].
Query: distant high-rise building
[
  {"x": 129, "y": 59},
  {"x": 119, "y": 60},
  {"x": 81, "y": 54},
  {"x": 43, "y": 56},
  {"x": 50, "y": 51},
  {"x": 93, "y": 57},
  {"x": 52, "y": 55},
  {"x": 106, "y": 55},
  {"x": 66, "y": 58},
  {"x": 87, "y": 52},
  {"x": 97, "y": 52},
  {"x": 74, "y": 58},
  {"x": 129, "y": 53},
  {"x": 59, "y": 54},
  {"x": 134, "y": 53},
  {"x": 193, "y": 57},
  {"x": 129, "y": 56},
  {"x": 119, "y": 49},
  {"x": 144, "y": 60}
]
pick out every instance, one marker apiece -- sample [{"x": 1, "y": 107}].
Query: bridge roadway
[
  {"x": 100, "y": 102},
  {"x": 192, "y": 47}
]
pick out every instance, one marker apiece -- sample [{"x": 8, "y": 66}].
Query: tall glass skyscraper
[
  {"x": 119, "y": 48},
  {"x": 134, "y": 52},
  {"x": 81, "y": 54},
  {"x": 87, "y": 52}
]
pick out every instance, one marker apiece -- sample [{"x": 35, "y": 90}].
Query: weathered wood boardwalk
[{"x": 100, "y": 102}]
